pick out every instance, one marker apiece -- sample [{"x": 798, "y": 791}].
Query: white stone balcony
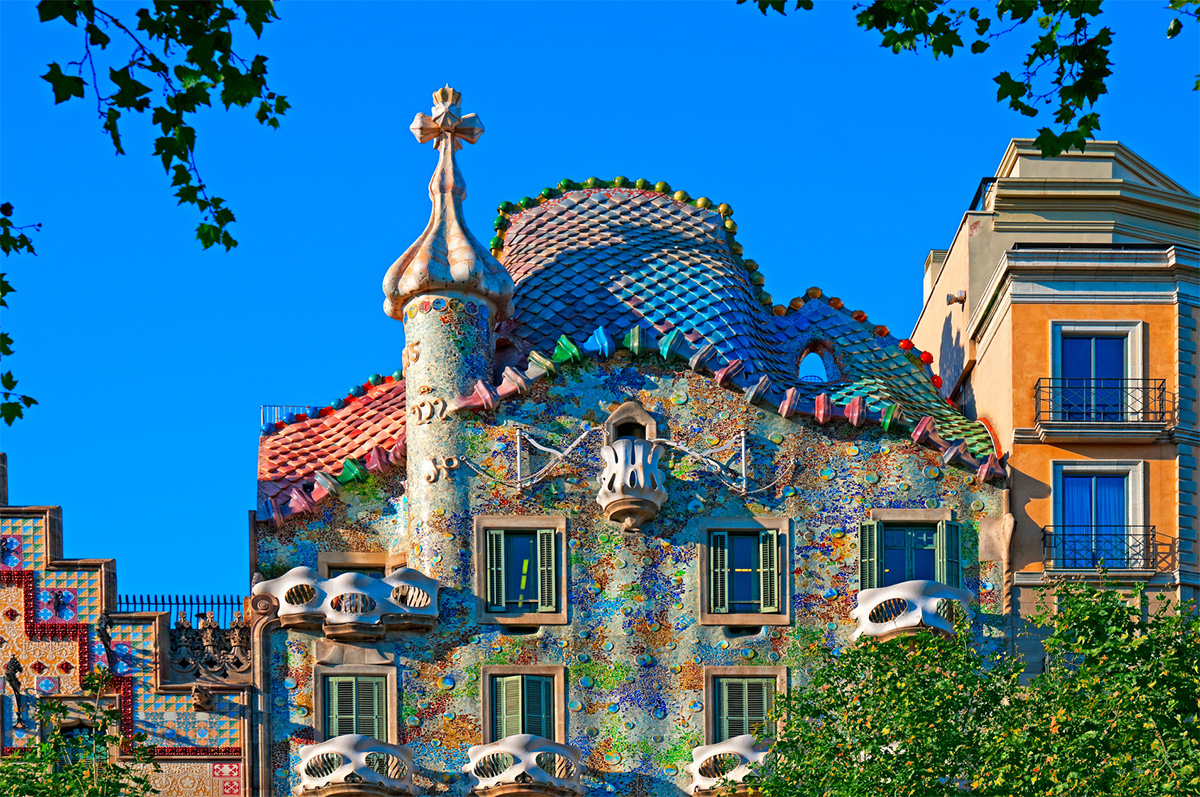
[
  {"x": 355, "y": 766},
  {"x": 718, "y": 768},
  {"x": 354, "y": 606},
  {"x": 631, "y": 484},
  {"x": 524, "y": 766},
  {"x": 908, "y": 608}
]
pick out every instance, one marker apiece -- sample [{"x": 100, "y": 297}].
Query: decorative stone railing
[
  {"x": 631, "y": 484},
  {"x": 715, "y": 767},
  {"x": 524, "y": 764},
  {"x": 353, "y": 605},
  {"x": 355, "y": 765},
  {"x": 907, "y": 608}
]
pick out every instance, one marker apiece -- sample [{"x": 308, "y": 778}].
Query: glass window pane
[
  {"x": 924, "y": 567},
  {"x": 1110, "y": 358},
  {"x": 743, "y": 577},
  {"x": 895, "y": 567},
  {"x": 1076, "y": 358},
  {"x": 895, "y": 537},
  {"x": 374, "y": 572},
  {"x": 520, "y": 571},
  {"x": 1077, "y": 501},
  {"x": 924, "y": 537}
]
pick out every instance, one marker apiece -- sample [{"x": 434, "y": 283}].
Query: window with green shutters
[
  {"x": 522, "y": 571},
  {"x": 745, "y": 572},
  {"x": 743, "y": 706},
  {"x": 522, "y": 704},
  {"x": 893, "y": 553},
  {"x": 356, "y": 704}
]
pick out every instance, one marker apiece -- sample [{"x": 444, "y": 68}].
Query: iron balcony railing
[
  {"x": 1100, "y": 400},
  {"x": 193, "y": 606},
  {"x": 1094, "y": 546},
  {"x": 274, "y": 413}
]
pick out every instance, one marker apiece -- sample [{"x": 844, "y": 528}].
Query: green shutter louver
[
  {"x": 732, "y": 718},
  {"x": 539, "y": 706},
  {"x": 356, "y": 705},
  {"x": 506, "y": 706},
  {"x": 718, "y": 558},
  {"x": 339, "y": 706},
  {"x": 760, "y": 696},
  {"x": 495, "y": 570},
  {"x": 768, "y": 570},
  {"x": 870, "y": 555},
  {"x": 949, "y": 553},
  {"x": 370, "y": 707},
  {"x": 547, "y": 572}
]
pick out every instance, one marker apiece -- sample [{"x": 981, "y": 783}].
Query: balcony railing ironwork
[
  {"x": 1094, "y": 546},
  {"x": 194, "y": 607},
  {"x": 274, "y": 413},
  {"x": 1100, "y": 400}
]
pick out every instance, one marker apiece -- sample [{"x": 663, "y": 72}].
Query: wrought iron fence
[
  {"x": 1091, "y": 547},
  {"x": 193, "y": 606},
  {"x": 274, "y": 413},
  {"x": 1101, "y": 400}
]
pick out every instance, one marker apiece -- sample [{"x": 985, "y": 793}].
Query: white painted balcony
[
  {"x": 721, "y": 768},
  {"x": 524, "y": 765},
  {"x": 354, "y": 606},
  {"x": 355, "y": 766},
  {"x": 631, "y": 484},
  {"x": 908, "y": 608}
]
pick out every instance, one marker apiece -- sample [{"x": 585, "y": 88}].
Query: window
[
  {"x": 1093, "y": 374},
  {"x": 743, "y": 706},
  {"x": 373, "y": 572},
  {"x": 1097, "y": 507},
  {"x": 376, "y": 564},
  {"x": 895, "y": 552},
  {"x": 522, "y": 704},
  {"x": 743, "y": 562},
  {"x": 519, "y": 570},
  {"x": 744, "y": 571},
  {"x": 356, "y": 704}
]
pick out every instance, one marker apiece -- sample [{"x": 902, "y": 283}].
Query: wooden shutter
[
  {"x": 539, "y": 706},
  {"x": 760, "y": 696},
  {"x": 731, "y": 719},
  {"x": 547, "y": 572},
  {"x": 948, "y": 552},
  {"x": 506, "y": 706},
  {"x": 768, "y": 570},
  {"x": 495, "y": 570},
  {"x": 870, "y": 555},
  {"x": 718, "y": 557},
  {"x": 340, "y": 714},
  {"x": 370, "y": 708}
]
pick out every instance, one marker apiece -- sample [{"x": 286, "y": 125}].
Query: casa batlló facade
[{"x": 573, "y": 546}]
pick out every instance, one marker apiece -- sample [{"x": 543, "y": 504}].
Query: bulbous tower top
[{"x": 446, "y": 257}]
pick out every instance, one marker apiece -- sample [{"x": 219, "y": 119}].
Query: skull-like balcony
[
  {"x": 355, "y": 766},
  {"x": 721, "y": 768},
  {"x": 354, "y": 606},
  {"x": 524, "y": 765},
  {"x": 908, "y": 608}
]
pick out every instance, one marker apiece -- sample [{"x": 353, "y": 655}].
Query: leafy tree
[
  {"x": 176, "y": 58},
  {"x": 77, "y": 760},
  {"x": 1114, "y": 712},
  {"x": 1067, "y": 64}
]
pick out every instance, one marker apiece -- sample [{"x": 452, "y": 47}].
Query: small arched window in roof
[
  {"x": 812, "y": 368},
  {"x": 632, "y": 421}
]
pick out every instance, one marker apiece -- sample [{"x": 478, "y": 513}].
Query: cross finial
[{"x": 446, "y": 119}]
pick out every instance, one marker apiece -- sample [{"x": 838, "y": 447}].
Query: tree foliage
[
  {"x": 1065, "y": 68},
  {"x": 1114, "y": 712},
  {"x": 77, "y": 756},
  {"x": 13, "y": 239}
]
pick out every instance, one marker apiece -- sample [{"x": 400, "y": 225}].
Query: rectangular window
[
  {"x": 522, "y": 572},
  {"x": 744, "y": 572},
  {"x": 893, "y": 553},
  {"x": 1093, "y": 377},
  {"x": 522, "y": 704},
  {"x": 356, "y": 704},
  {"x": 1094, "y": 520},
  {"x": 743, "y": 706},
  {"x": 374, "y": 572}
]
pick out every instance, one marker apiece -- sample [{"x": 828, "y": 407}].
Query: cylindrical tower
[{"x": 450, "y": 293}]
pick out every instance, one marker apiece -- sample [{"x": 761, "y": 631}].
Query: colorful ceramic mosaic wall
[
  {"x": 49, "y": 608},
  {"x": 633, "y": 649}
]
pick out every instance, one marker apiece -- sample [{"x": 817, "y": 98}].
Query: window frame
[
  {"x": 946, "y": 527},
  {"x": 1136, "y": 505},
  {"x": 391, "y": 694},
  {"x": 486, "y": 523},
  {"x": 749, "y": 525},
  {"x": 711, "y": 698},
  {"x": 350, "y": 560},
  {"x": 1132, "y": 331},
  {"x": 558, "y": 676}
]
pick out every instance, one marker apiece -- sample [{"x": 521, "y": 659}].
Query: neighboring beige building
[{"x": 1065, "y": 314}]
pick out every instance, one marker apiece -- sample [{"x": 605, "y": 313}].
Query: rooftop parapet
[
  {"x": 353, "y": 605},
  {"x": 907, "y": 608},
  {"x": 524, "y": 765}
]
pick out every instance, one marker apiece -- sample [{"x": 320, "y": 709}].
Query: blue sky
[{"x": 844, "y": 163}]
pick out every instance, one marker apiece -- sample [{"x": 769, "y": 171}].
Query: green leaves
[
  {"x": 129, "y": 91},
  {"x": 13, "y": 240},
  {"x": 65, "y": 86}
]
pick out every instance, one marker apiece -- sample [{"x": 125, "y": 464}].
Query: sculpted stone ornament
[
  {"x": 716, "y": 765},
  {"x": 907, "y": 608},
  {"x": 372, "y": 766},
  {"x": 631, "y": 484},
  {"x": 237, "y": 658},
  {"x": 202, "y": 698},
  {"x": 103, "y": 623},
  {"x": 549, "y": 767},
  {"x": 12, "y": 676},
  {"x": 446, "y": 257}
]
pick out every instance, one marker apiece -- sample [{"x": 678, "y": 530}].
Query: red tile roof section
[{"x": 296, "y": 452}]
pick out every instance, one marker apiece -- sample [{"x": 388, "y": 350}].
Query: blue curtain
[
  {"x": 1109, "y": 371},
  {"x": 1110, "y": 521},
  {"x": 1076, "y": 394},
  {"x": 1075, "y": 538}
]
